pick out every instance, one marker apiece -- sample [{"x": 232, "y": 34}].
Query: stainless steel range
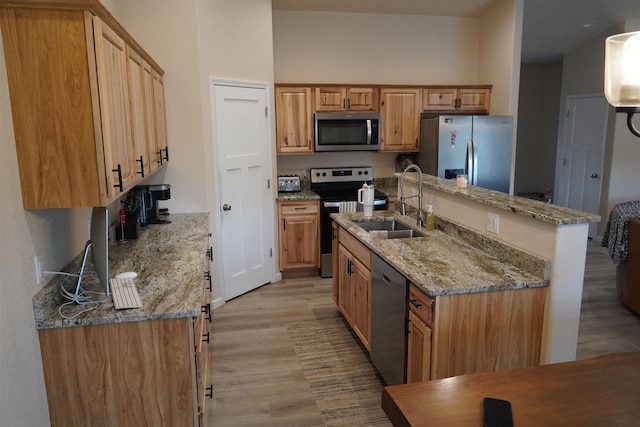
[{"x": 335, "y": 185}]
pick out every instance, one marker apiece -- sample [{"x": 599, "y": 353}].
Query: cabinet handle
[
  {"x": 166, "y": 153},
  {"x": 209, "y": 392},
  {"x": 207, "y": 277},
  {"x": 333, "y": 233},
  {"x": 300, "y": 208},
  {"x": 344, "y": 103},
  {"x": 119, "y": 171},
  {"x": 415, "y": 303},
  {"x": 141, "y": 171},
  {"x": 349, "y": 264},
  {"x": 160, "y": 157},
  {"x": 349, "y": 103},
  {"x": 210, "y": 253},
  {"x": 205, "y": 337},
  {"x": 207, "y": 309}
]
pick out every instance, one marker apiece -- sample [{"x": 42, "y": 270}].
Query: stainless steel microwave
[{"x": 347, "y": 132}]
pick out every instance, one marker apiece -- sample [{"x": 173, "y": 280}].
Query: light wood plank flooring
[{"x": 259, "y": 380}]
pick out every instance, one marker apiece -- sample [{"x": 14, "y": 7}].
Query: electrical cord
[{"x": 75, "y": 293}]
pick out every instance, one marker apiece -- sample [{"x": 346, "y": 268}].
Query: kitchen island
[
  {"x": 476, "y": 304},
  {"x": 547, "y": 231},
  {"x": 142, "y": 366}
]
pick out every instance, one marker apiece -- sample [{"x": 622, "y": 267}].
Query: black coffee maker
[
  {"x": 147, "y": 197},
  {"x": 141, "y": 209}
]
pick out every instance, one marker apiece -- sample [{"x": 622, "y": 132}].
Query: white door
[
  {"x": 584, "y": 141},
  {"x": 243, "y": 158}
]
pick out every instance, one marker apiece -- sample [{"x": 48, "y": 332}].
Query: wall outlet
[
  {"x": 37, "y": 260},
  {"x": 493, "y": 223}
]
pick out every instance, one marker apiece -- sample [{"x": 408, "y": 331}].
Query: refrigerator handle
[
  {"x": 474, "y": 159},
  {"x": 468, "y": 164}
]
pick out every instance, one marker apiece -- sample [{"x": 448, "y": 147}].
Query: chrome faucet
[{"x": 420, "y": 215}]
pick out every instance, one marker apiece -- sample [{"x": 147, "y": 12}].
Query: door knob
[
  {"x": 594, "y": 175},
  {"x": 226, "y": 207}
]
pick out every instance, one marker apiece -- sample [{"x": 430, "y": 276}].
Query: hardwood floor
[
  {"x": 259, "y": 379},
  {"x": 606, "y": 326}
]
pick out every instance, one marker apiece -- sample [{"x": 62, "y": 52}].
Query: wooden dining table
[{"x": 603, "y": 391}]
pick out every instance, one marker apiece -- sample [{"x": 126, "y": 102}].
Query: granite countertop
[
  {"x": 297, "y": 196},
  {"x": 544, "y": 212},
  {"x": 451, "y": 259},
  {"x": 169, "y": 260}
]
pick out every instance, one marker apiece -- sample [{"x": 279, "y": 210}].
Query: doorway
[
  {"x": 584, "y": 138},
  {"x": 243, "y": 167}
]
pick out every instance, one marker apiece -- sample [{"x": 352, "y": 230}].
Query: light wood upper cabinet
[
  {"x": 294, "y": 120},
  {"x": 70, "y": 101},
  {"x": 462, "y": 99},
  {"x": 299, "y": 235},
  {"x": 346, "y": 99},
  {"x": 138, "y": 111},
  {"x": 111, "y": 62},
  {"x": 159, "y": 145},
  {"x": 400, "y": 117}
]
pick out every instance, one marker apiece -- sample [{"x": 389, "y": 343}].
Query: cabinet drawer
[
  {"x": 293, "y": 208},
  {"x": 356, "y": 248},
  {"x": 421, "y": 304}
]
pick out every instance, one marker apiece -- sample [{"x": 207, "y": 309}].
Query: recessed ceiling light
[{"x": 589, "y": 24}]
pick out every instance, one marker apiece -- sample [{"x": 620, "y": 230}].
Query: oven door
[{"x": 327, "y": 207}]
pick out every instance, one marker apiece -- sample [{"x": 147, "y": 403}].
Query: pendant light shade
[{"x": 622, "y": 75}]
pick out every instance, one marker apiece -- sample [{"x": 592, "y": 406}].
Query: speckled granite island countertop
[
  {"x": 451, "y": 259},
  {"x": 169, "y": 260},
  {"x": 544, "y": 212}
]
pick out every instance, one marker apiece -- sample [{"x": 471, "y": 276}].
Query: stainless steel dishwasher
[{"x": 389, "y": 293}]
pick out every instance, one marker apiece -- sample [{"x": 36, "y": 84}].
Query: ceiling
[{"x": 550, "y": 28}]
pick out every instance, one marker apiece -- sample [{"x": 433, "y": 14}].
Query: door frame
[{"x": 217, "y": 208}]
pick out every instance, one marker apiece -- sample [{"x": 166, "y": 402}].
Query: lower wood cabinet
[
  {"x": 419, "y": 339},
  {"x": 299, "y": 236},
  {"x": 452, "y": 335},
  {"x": 354, "y": 284},
  {"x": 140, "y": 373}
]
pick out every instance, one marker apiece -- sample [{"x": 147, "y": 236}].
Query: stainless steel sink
[{"x": 389, "y": 229}]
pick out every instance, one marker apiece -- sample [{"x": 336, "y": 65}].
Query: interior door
[
  {"x": 242, "y": 146},
  {"x": 584, "y": 139}
]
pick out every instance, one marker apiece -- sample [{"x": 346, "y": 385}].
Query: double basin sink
[{"x": 389, "y": 229}]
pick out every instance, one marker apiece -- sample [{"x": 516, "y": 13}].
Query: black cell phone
[{"x": 496, "y": 413}]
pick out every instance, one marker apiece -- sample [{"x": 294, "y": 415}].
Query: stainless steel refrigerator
[{"x": 478, "y": 146}]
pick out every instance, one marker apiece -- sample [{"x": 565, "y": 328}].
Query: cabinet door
[
  {"x": 439, "y": 99},
  {"x": 140, "y": 129},
  {"x": 161, "y": 155},
  {"x": 331, "y": 98},
  {"x": 361, "y": 305},
  {"x": 362, "y": 99},
  {"x": 345, "y": 292},
  {"x": 152, "y": 149},
  {"x": 400, "y": 116},
  {"x": 294, "y": 120},
  {"x": 474, "y": 99},
  {"x": 299, "y": 235},
  {"x": 419, "y": 350},
  {"x": 111, "y": 63}
]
